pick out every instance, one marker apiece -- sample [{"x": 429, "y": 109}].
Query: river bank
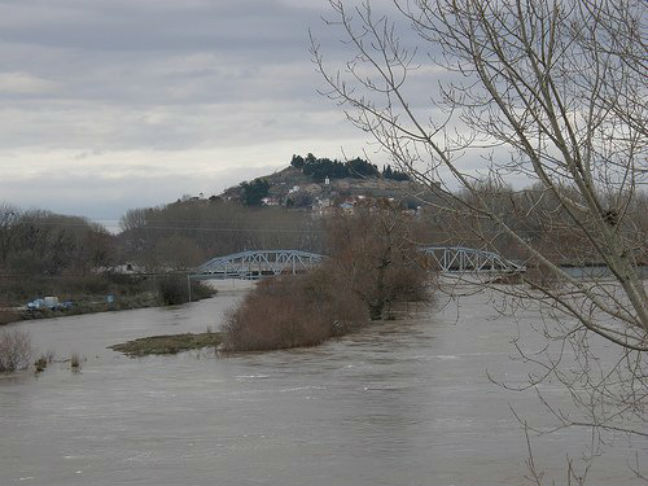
[{"x": 115, "y": 294}]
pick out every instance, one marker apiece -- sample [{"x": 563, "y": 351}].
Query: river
[{"x": 403, "y": 402}]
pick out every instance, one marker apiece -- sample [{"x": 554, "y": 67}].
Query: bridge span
[
  {"x": 256, "y": 264},
  {"x": 460, "y": 259}
]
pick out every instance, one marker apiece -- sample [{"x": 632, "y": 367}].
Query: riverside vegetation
[
  {"x": 88, "y": 293},
  {"x": 42, "y": 253},
  {"x": 373, "y": 262}
]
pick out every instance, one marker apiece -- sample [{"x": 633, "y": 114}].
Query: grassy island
[{"x": 170, "y": 344}]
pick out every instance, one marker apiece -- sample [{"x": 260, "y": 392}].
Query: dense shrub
[
  {"x": 7, "y": 316},
  {"x": 92, "y": 284},
  {"x": 201, "y": 291},
  {"x": 15, "y": 350},
  {"x": 294, "y": 311},
  {"x": 539, "y": 275},
  {"x": 173, "y": 290}
]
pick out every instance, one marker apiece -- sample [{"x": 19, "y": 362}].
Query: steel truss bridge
[
  {"x": 459, "y": 259},
  {"x": 256, "y": 264}
]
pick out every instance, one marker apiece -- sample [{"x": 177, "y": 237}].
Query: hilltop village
[{"x": 324, "y": 186}]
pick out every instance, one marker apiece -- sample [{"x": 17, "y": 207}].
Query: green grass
[{"x": 171, "y": 344}]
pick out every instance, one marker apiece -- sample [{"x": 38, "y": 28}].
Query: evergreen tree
[
  {"x": 254, "y": 192},
  {"x": 297, "y": 162}
]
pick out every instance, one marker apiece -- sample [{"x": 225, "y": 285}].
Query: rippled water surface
[{"x": 401, "y": 402}]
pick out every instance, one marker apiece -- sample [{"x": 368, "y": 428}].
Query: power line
[
  {"x": 168, "y": 227},
  {"x": 224, "y": 230}
]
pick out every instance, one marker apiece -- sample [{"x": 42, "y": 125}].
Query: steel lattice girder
[
  {"x": 459, "y": 259},
  {"x": 261, "y": 261}
]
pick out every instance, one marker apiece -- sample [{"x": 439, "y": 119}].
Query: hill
[{"x": 312, "y": 183}]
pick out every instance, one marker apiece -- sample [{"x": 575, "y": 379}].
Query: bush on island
[{"x": 293, "y": 311}]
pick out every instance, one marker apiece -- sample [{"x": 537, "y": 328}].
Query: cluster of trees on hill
[
  {"x": 393, "y": 174},
  {"x": 320, "y": 169},
  {"x": 252, "y": 193}
]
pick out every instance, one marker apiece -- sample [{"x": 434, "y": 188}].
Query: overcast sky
[{"x": 113, "y": 104}]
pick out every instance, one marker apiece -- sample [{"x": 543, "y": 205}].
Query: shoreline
[{"x": 13, "y": 315}]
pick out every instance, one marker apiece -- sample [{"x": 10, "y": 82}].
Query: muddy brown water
[{"x": 404, "y": 402}]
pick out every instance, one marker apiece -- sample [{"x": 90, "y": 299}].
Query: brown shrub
[
  {"x": 172, "y": 289},
  {"x": 75, "y": 361},
  {"x": 7, "y": 316},
  {"x": 293, "y": 311},
  {"x": 15, "y": 350},
  {"x": 374, "y": 250},
  {"x": 43, "y": 360},
  {"x": 373, "y": 262}
]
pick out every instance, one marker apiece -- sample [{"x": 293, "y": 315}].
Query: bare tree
[
  {"x": 177, "y": 253},
  {"x": 552, "y": 92},
  {"x": 9, "y": 215},
  {"x": 15, "y": 350},
  {"x": 374, "y": 248}
]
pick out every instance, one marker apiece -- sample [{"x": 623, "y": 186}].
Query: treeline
[
  {"x": 321, "y": 168},
  {"x": 535, "y": 214},
  {"x": 37, "y": 242},
  {"x": 184, "y": 234},
  {"x": 173, "y": 237},
  {"x": 42, "y": 253},
  {"x": 51, "y": 251}
]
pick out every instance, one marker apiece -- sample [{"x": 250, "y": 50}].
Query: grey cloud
[
  {"x": 154, "y": 26},
  {"x": 106, "y": 67},
  {"x": 108, "y": 76},
  {"x": 109, "y": 198}
]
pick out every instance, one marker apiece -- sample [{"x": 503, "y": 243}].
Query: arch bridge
[{"x": 256, "y": 264}]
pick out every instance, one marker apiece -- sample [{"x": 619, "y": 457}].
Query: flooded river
[{"x": 399, "y": 403}]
